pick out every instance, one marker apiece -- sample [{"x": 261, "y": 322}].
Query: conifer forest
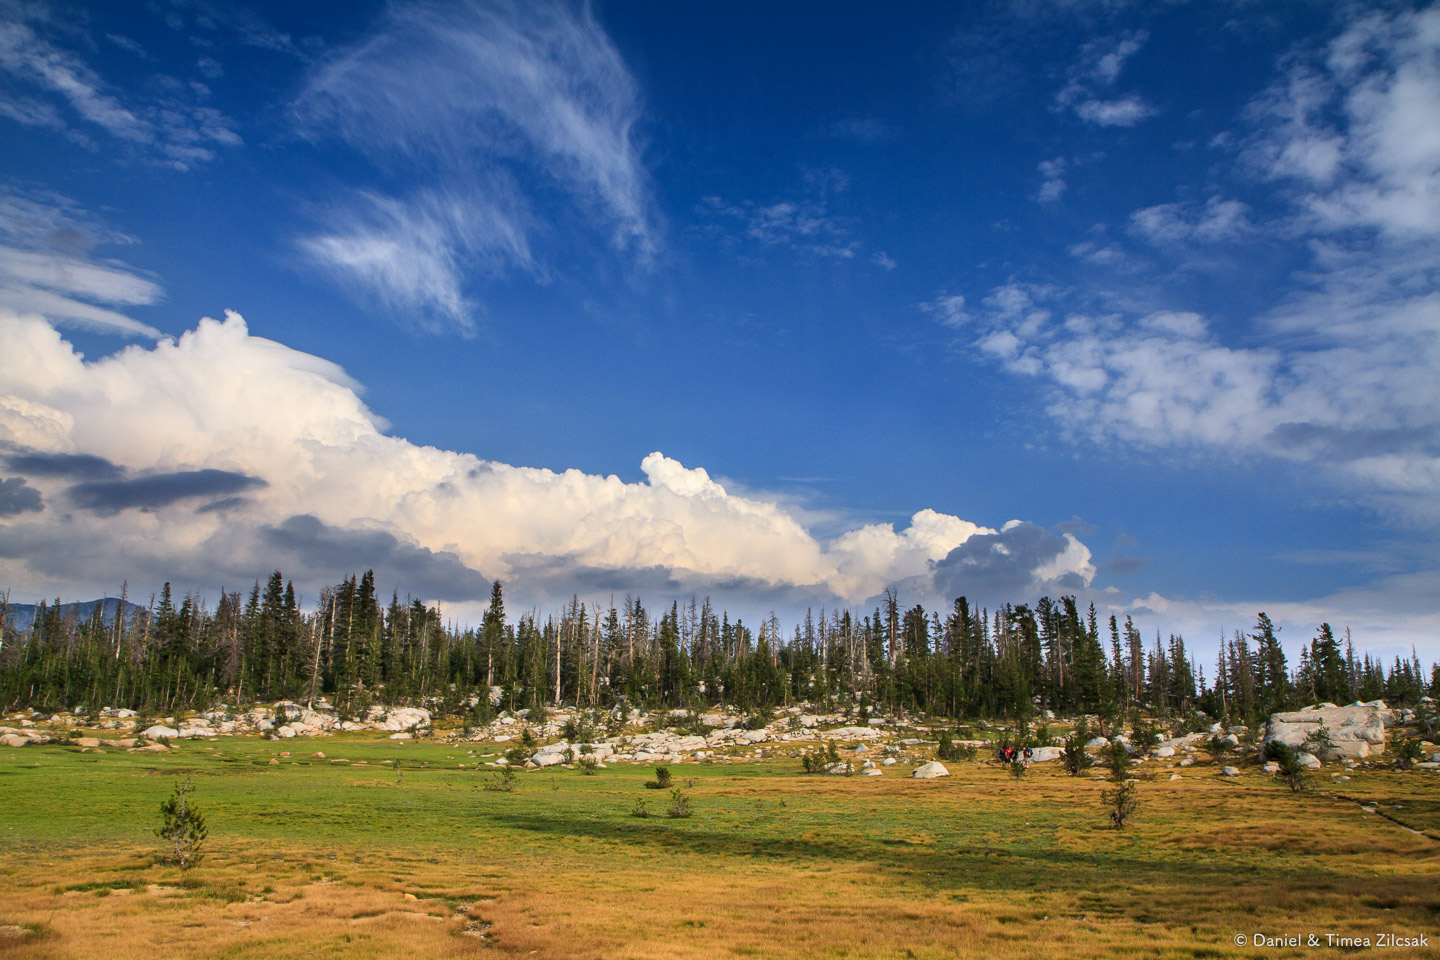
[{"x": 354, "y": 649}]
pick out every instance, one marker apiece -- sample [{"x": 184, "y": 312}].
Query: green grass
[{"x": 976, "y": 864}]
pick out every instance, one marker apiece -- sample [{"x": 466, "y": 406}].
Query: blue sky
[{"x": 784, "y": 304}]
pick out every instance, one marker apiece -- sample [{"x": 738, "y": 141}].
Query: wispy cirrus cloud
[
  {"x": 54, "y": 87},
  {"x": 805, "y": 222},
  {"x": 46, "y": 266},
  {"x": 415, "y": 254},
  {"x": 236, "y": 21},
  {"x": 513, "y": 113}
]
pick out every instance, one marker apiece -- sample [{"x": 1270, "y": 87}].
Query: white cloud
[
  {"x": 1340, "y": 372},
  {"x": 949, "y": 308},
  {"x": 805, "y": 225},
  {"x": 171, "y": 129},
  {"x": 315, "y": 471},
  {"x": 489, "y": 106},
  {"x": 1053, "y": 186},
  {"x": 45, "y": 267},
  {"x": 417, "y": 254},
  {"x": 26, "y": 55},
  {"x": 1097, "y": 69},
  {"x": 1217, "y": 221},
  {"x": 1353, "y": 127},
  {"x": 1124, "y": 112},
  {"x": 1388, "y": 617}
]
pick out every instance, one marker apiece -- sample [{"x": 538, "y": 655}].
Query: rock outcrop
[{"x": 1355, "y": 731}]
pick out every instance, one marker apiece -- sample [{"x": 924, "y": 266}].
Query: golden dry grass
[{"x": 772, "y": 865}]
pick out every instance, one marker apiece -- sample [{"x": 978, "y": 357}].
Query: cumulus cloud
[
  {"x": 152, "y": 491},
  {"x": 16, "y": 496},
  {"x": 139, "y": 438},
  {"x": 1019, "y": 560},
  {"x": 79, "y": 466},
  {"x": 306, "y": 543},
  {"x": 488, "y": 109}
]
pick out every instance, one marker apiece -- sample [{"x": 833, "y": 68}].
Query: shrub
[
  {"x": 819, "y": 760},
  {"x": 756, "y": 721},
  {"x": 1407, "y": 752},
  {"x": 1120, "y": 803},
  {"x": 679, "y": 807},
  {"x": 640, "y": 809},
  {"x": 946, "y": 748},
  {"x": 589, "y": 766},
  {"x": 1143, "y": 733},
  {"x": 517, "y": 756},
  {"x": 1073, "y": 756},
  {"x": 1218, "y": 747},
  {"x": 1017, "y": 768},
  {"x": 661, "y": 781},
  {"x": 182, "y": 826},
  {"x": 577, "y": 731},
  {"x": 502, "y": 782}
]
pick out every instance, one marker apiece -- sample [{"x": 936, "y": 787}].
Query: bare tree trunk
[
  {"x": 315, "y": 663},
  {"x": 595, "y": 658}
]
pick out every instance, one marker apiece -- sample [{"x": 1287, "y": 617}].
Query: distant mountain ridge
[{"x": 20, "y": 617}]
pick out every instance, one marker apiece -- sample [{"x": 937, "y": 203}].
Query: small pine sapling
[
  {"x": 1117, "y": 761},
  {"x": 1073, "y": 756},
  {"x": 1120, "y": 803},
  {"x": 1319, "y": 743},
  {"x": 182, "y": 826},
  {"x": 679, "y": 807},
  {"x": 1292, "y": 771}
]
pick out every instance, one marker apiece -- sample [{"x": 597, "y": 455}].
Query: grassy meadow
[{"x": 400, "y": 852}]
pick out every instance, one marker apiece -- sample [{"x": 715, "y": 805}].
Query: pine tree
[{"x": 182, "y": 826}]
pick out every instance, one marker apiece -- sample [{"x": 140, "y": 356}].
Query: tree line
[{"x": 354, "y": 649}]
